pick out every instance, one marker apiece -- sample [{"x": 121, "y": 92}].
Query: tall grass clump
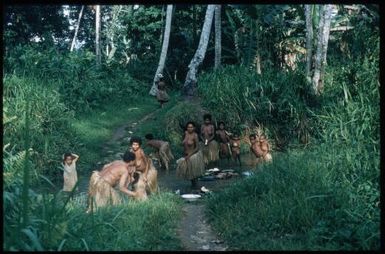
[
  {"x": 49, "y": 126},
  {"x": 277, "y": 100},
  {"x": 33, "y": 222},
  {"x": 133, "y": 226},
  {"x": 81, "y": 84}
]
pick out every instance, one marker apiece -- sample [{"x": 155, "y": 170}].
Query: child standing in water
[{"x": 69, "y": 167}]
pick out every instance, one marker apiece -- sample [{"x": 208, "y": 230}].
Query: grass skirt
[
  {"x": 162, "y": 96},
  {"x": 193, "y": 168},
  {"x": 210, "y": 152},
  {"x": 101, "y": 193},
  {"x": 152, "y": 179}
]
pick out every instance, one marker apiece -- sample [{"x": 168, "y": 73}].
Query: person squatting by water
[
  {"x": 101, "y": 190},
  {"x": 144, "y": 165},
  {"x": 161, "y": 94},
  {"x": 162, "y": 148},
  {"x": 191, "y": 166},
  {"x": 70, "y": 175},
  {"x": 210, "y": 146}
]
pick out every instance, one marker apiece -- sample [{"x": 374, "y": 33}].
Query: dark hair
[
  {"x": 207, "y": 116},
  {"x": 128, "y": 156},
  {"x": 221, "y": 122},
  {"x": 252, "y": 135},
  {"x": 149, "y": 136},
  {"x": 136, "y": 140},
  {"x": 189, "y": 122},
  {"x": 67, "y": 154}
]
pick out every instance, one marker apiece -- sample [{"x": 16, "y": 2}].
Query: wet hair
[
  {"x": 128, "y": 156},
  {"x": 149, "y": 136},
  {"x": 207, "y": 116},
  {"x": 136, "y": 140},
  {"x": 252, "y": 135}
]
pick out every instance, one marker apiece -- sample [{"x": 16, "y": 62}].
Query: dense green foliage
[
  {"x": 279, "y": 101},
  {"x": 323, "y": 198}
]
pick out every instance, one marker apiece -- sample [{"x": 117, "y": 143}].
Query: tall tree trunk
[
  {"x": 218, "y": 37},
  {"x": 77, "y": 29},
  {"x": 322, "y": 42},
  {"x": 318, "y": 54},
  {"x": 325, "y": 43},
  {"x": 116, "y": 9},
  {"x": 189, "y": 87},
  {"x": 309, "y": 40},
  {"x": 257, "y": 60},
  {"x": 97, "y": 37},
  {"x": 163, "y": 53},
  {"x": 162, "y": 31}
]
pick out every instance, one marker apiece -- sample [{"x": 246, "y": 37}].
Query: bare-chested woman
[
  {"x": 162, "y": 148},
  {"x": 101, "y": 190},
  {"x": 210, "y": 148},
  {"x": 144, "y": 165},
  {"x": 191, "y": 166}
]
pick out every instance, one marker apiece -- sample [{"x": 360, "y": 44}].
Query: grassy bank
[{"x": 51, "y": 221}]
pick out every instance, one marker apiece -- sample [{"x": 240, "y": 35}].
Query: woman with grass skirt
[
  {"x": 162, "y": 95},
  {"x": 69, "y": 167},
  {"x": 210, "y": 147},
  {"x": 191, "y": 166}
]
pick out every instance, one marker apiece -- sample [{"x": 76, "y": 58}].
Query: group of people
[
  {"x": 215, "y": 145},
  {"x": 136, "y": 176}
]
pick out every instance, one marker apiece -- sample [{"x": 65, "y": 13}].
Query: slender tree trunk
[
  {"x": 189, "y": 87},
  {"x": 97, "y": 37},
  {"x": 325, "y": 42},
  {"x": 318, "y": 55},
  {"x": 111, "y": 31},
  {"x": 77, "y": 29},
  {"x": 163, "y": 53},
  {"x": 309, "y": 40},
  {"x": 257, "y": 60},
  {"x": 162, "y": 31},
  {"x": 322, "y": 43},
  {"x": 218, "y": 37}
]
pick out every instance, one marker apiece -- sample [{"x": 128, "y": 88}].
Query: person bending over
[{"x": 101, "y": 189}]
